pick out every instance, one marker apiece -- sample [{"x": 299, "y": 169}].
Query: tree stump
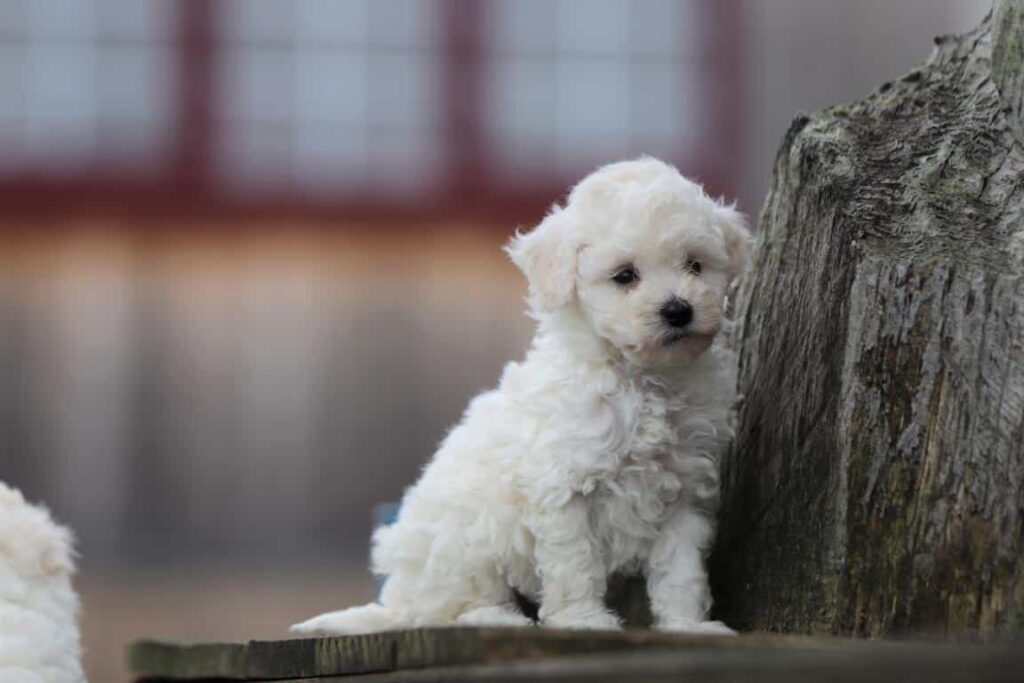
[{"x": 877, "y": 482}]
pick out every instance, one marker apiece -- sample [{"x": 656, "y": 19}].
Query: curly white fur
[
  {"x": 38, "y": 608},
  {"x": 596, "y": 454}
]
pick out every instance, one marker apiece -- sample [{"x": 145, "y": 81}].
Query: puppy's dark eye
[
  {"x": 626, "y": 276},
  {"x": 693, "y": 265}
]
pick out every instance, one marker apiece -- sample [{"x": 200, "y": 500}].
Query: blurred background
[{"x": 249, "y": 250}]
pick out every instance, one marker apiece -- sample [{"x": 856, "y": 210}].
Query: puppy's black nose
[{"x": 677, "y": 312}]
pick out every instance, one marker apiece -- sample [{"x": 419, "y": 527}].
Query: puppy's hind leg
[
  {"x": 489, "y": 600},
  {"x": 354, "y": 620},
  {"x": 398, "y": 607},
  {"x": 494, "y": 615}
]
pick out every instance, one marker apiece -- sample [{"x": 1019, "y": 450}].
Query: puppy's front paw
[
  {"x": 712, "y": 628},
  {"x": 592, "y": 617}
]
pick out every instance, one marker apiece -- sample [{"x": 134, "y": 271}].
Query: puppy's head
[{"x": 646, "y": 256}]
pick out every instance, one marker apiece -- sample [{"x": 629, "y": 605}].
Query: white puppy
[
  {"x": 38, "y": 608},
  {"x": 596, "y": 454}
]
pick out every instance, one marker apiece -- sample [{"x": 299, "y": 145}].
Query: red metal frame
[
  {"x": 720, "y": 160},
  {"x": 195, "y": 87},
  {"x": 463, "y": 51},
  {"x": 183, "y": 187}
]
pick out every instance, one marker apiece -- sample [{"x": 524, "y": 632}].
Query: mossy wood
[
  {"x": 877, "y": 483},
  {"x": 543, "y": 655}
]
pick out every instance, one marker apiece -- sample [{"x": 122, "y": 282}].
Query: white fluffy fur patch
[{"x": 39, "y": 640}]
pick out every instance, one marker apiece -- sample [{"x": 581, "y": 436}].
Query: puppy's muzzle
[{"x": 676, "y": 312}]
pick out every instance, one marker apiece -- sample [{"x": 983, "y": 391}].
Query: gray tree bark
[{"x": 876, "y": 482}]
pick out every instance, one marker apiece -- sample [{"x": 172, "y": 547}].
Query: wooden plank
[
  {"x": 726, "y": 665},
  {"x": 396, "y": 650},
  {"x": 466, "y": 648}
]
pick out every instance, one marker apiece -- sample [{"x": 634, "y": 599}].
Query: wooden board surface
[
  {"x": 540, "y": 654},
  {"x": 723, "y": 665}
]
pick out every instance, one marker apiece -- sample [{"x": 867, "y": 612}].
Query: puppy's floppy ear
[
  {"x": 736, "y": 236},
  {"x": 547, "y": 256}
]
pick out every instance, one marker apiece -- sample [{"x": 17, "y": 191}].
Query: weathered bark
[{"x": 877, "y": 478}]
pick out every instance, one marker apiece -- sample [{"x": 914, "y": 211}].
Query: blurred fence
[{"x": 182, "y": 395}]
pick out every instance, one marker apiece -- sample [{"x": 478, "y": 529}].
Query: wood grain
[{"x": 524, "y": 654}]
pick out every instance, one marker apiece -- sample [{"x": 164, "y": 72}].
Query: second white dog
[
  {"x": 38, "y": 607},
  {"x": 596, "y": 454}
]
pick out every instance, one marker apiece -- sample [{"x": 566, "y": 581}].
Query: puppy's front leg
[
  {"x": 676, "y": 580},
  {"x": 572, "y": 572}
]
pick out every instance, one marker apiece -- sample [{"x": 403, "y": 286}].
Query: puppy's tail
[{"x": 369, "y": 618}]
